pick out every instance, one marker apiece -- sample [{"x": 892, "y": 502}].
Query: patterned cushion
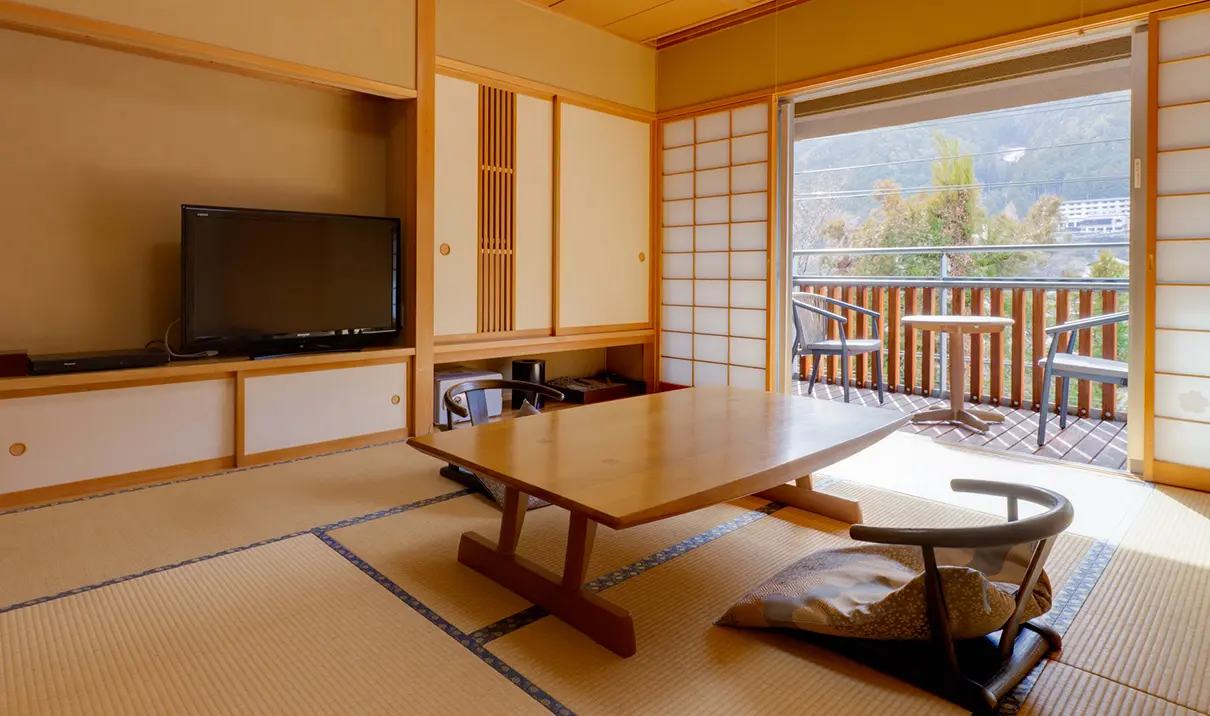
[
  {"x": 878, "y": 592},
  {"x": 495, "y": 488}
]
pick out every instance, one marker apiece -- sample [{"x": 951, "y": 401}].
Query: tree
[{"x": 1108, "y": 266}]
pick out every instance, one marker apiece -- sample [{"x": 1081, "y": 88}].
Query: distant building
[{"x": 1091, "y": 217}]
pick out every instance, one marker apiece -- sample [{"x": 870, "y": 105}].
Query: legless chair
[
  {"x": 811, "y": 338},
  {"x": 1065, "y": 366}
]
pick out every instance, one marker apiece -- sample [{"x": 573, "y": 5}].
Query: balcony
[{"x": 1001, "y": 371}]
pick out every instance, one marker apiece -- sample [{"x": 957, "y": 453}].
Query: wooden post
[
  {"x": 1084, "y": 390},
  {"x": 996, "y": 354},
  {"x": 892, "y": 339},
  {"x": 580, "y": 535},
  {"x": 1109, "y": 349},
  {"x": 926, "y": 360},
  {"x": 976, "y": 309},
  {"x": 862, "y": 300},
  {"x": 1018, "y": 359},
  {"x": 1062, "y": 305},
  {"x": 850, "y": 296},
  {"x": 1038, "y": 346},
  {"x": 909, "y": 342},
  {"x": 833, "y": 334},
  {"x": 878, "y": 299}
]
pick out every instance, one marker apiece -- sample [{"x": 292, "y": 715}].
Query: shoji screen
[
  {"x": 1179, "y": 226},
  {"x": 715, "y": 254}
]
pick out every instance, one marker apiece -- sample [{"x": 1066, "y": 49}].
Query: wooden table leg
[
  {"x": 957, "y": 412},
  {"x": 565, "y": 597},
  {"x": 807, "y": 498}
]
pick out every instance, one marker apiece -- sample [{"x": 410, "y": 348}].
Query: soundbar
[{"x": 99, "y": 360}]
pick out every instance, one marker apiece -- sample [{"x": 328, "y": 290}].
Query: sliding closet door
[
  {"x": 716, "y": 238},
  {"x": 1179, "y": 248}
]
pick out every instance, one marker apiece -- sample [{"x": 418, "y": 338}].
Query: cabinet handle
[
  {"x": 642, "y": 256},
  {"x": 394, "y": 400},
  {"x": 16, "y": 449},
  {"x": 444, "y": 249}
]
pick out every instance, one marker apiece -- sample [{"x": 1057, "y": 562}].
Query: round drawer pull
[
  {"x": 17, "y": 449},
  {"x": 394, "y": 400},
  {"x": 642, "y": 256},
  {"x": 444, "y": 249}
]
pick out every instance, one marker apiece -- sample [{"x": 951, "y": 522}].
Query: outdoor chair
[
  {"x": 1067, "y": 365},
  {"x": 811, "y": 338}
]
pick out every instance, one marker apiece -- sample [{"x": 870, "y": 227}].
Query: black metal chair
[
  {"x": 811, "y": 338},
  {"x": 468, "y": 400},
  {"x": 1066, "y": 365},
  {"x": 977, "y": 673}
]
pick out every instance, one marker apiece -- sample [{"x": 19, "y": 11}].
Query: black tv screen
[{"x": 276, "y": 282}]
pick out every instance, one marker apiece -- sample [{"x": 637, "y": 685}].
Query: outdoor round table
[{"x": 956, "y": 327}]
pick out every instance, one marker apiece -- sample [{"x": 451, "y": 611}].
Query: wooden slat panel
[
  {"x": 1018, "y": 348},
  {"x": 996, "y": 354},
  {"x": 1109, "y": 349},
  {"x": 926, "y": 338},
  {"x": 1062, "y": 306},
  {"x": 1038, "y": 339},
  {"x": 892, "y": 340},
  {"x": 976, "y": 309},
  {"x": 1084, "y": 389},
  {"x": 909, "y": 342},
  {"x": 862, "y": 299},
  {"x": 497, "y": 209}
]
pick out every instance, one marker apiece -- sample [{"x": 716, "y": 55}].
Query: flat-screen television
[{"x": 271, "y": 282}]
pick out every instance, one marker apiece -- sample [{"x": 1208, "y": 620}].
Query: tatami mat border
[
  {"x": 202, "y": 558},
  {"x": 513, "y": 622},
  {"x": 458, "y": 635},
  {"x": 166, "y": 483}
]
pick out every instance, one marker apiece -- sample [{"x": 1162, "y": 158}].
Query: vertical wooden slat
[
  {"x": 850, "y": 296},
  {"x": 1018, "y": 355},
  {"x": 1038, "y": 346},
  {"x": 909, "y": 342},
  {"x": 1084, "y": 390},
  {"x": 1062, "y": 305},
  {"x": 833, "y": 334},
  {"x": 1109, "y": 349},
  {"x": 879, "y": 297},
  {"x": 996, "y": 350},
  {"x": 892, "y": 339},
  {"x": 976, "y": 309},
  {"x": 497, "y": 214},
  {"x": 926, "y": 338},
  {"x": 859, "y": 331}
]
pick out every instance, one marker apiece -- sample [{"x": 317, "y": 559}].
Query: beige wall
[
  {"x": 525, "y": 41},
  {"x": 374, "y": 39},
  {"x": 822, "y": 37},
  {"x": 100, "y": 149}
]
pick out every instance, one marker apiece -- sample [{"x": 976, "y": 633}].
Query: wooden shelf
[
  {"x": 183, "y": 371},
  {"x": 454, "y": 352}
]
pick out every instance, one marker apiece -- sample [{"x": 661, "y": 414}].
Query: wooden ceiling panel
[{"x": 660, "y": 22}]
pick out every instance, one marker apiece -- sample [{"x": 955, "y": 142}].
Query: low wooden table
[
  {"x": 956, "y": 327},
  {"x": 629, "y": 462}
]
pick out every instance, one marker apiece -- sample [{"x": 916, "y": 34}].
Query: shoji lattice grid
[
  {"x": 715, "y": 249},
  {"x": 1182, "y": 242}
]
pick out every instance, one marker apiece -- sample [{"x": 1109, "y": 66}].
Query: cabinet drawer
[
  {"x": 80, "y": 436},
  {"x": 292, "y": 409}
]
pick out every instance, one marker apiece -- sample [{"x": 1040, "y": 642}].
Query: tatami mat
[
  {"x": 287, "y": 628},
  {"x": 1065, "y": 691},
  {"x": 1147, "y": 623},
  {"x": 49, "y": 550},
  {"x": 419, "y": 551},
  {"x": 686, "y": 665}
]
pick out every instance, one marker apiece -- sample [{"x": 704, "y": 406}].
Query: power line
[
  {"x": 960, "y": 156},
  {"x": 922, "y": 189}
]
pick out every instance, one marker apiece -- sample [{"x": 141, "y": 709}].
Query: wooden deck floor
[{"x": 1085, "y": 441}]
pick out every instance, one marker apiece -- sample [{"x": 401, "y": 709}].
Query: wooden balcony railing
[{"x": 1002, "y": 366}]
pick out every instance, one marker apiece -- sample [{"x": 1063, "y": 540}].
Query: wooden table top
[
  {"x": 962, "y": 324},
  {"x": 637, "y": 460}
]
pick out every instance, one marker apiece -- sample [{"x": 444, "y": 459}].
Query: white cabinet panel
[
  {"x": 713, "y": 237},
  {"x": 676, "y": 345},
  {"x": 676, "y": 372},
  {"x": 1182, "y": 442},
  {"x": 1182, "y": 261},
  {"x": 535, "y": 215},
  {"x": 678, "y": 134},
  {"x": 1183, "y": 127},
  {"x": 99, "y": 433},
  {"x": 292, "y": 409},
  {"x": 1182, "y": 307},
  {"x": 1184, "y": 81},
  {"x": 1183, "y": 217},
  {"x": 749, "y": 120},
  {"x": 1182, "y": 396},
  {"x": 455, "y": 213},
  {"x": 713, "y": 126},
  {"x": 1186, "y": 352},
  {"x": 604, "y": 219},
  {"x": 1184, "y": 172},
  {"x": 1184, "y": 36}
]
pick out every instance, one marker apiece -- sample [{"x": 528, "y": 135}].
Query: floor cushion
[
  {"x": 878, "y": 592},
  {"x": 495, "y": 488}
]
